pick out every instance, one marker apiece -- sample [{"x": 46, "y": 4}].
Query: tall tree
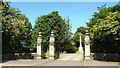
[
  {"x": 104, "y": 29},
  {"x": 67, "y": 36},
  {"x": 102, "y": 13},
  {"x": 51, "y": 22},
  {"x": 15, "y": 28}
]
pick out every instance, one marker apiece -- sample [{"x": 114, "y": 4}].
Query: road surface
[{"x": 64, "y": 60}]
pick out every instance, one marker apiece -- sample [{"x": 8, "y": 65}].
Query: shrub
[{"x": 71, "y": 49}]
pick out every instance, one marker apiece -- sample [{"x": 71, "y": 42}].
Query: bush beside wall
[{"x": 106, "y": 57}]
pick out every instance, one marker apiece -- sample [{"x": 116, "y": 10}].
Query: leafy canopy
[
  {"x": 16, "y": 28},
  {"x": 105, "y": 29}
]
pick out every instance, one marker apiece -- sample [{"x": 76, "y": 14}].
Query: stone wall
[
  {"x": 6, "y": 57},
  {"x": 106, "y": 57}
]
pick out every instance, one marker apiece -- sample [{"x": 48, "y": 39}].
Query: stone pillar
[
  {"x": 87, "y": 45},
  {"x": 80, "y": 47},
  {"x": 51, "y": 46},
  {"x": 39, "y": 46}
]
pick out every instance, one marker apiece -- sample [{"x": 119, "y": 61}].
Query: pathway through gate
[{"x": 71, "y": 57}]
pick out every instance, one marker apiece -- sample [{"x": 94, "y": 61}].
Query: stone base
[
  {"x": 80, "y": 49},
  {"x": 38, "y": 58},
  {"x": 51, "y": 58},
  {"x": 87, "y": 51},
  {"x": 87, "y": 58}
]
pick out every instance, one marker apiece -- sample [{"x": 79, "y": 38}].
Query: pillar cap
[
  {"x": 39, "y": 33},
  {"x": 52, "y": 32},
  {"x": 86, "y": 31}
]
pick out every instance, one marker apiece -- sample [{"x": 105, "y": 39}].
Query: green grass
[
  {"x": 47, "y": 54},
  {"x": 64, "y": 51}
]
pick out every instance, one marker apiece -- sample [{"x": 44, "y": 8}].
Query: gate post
[
  {"x": 40, "y": 53},
  {"x": 87, "y": 45},
  {"x": 51, "y": 46}
]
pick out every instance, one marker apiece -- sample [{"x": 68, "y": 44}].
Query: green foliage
[
  {"x": 103, "y": 12},
  {"x": 76, "y": 37},
  {"x": 67, "y": 36},
  {"x": 51, "y": 22},
  {"x": 26, "y": 49},
  {"x": 105, "y": 30},
  {"x": 15, "y": 29},
  {"x": 71, "y": 49}
]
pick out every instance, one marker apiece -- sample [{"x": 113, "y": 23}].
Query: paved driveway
[{"x": 64, "y": 60}]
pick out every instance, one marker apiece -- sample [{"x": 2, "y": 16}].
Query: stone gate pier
[
  {"x": 54, "y": 51},
  {"x": 40, "y": 52},
  {"x": 51, "y": 46},
  {"x": 87, "y": 45}
]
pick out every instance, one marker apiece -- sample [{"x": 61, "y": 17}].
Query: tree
[
  {"x": 52, "y": 22},
  {"x": 67, "y": 44},
  {"x": 106, "y": 34},
  {"x": 76, "y": 37},
  {"x": 103, "y": 12},
  {"x": 105, "y": 29},
  {"x": 15, "y": 28}
]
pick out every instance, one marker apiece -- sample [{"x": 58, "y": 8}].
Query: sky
[{"x": 79, "y": 12}]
